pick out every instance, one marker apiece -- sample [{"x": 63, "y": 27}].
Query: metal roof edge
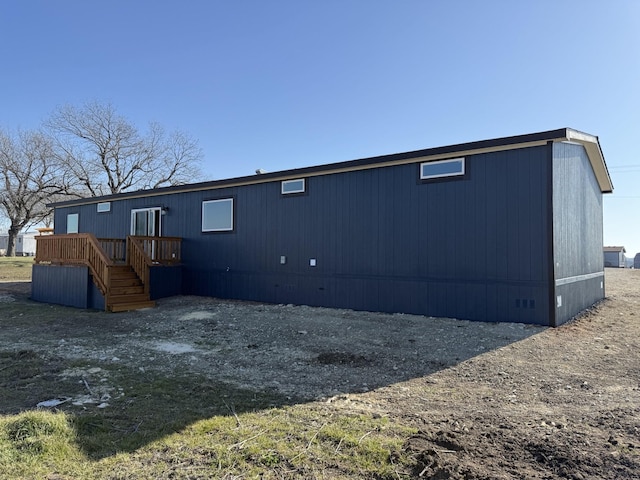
[{"x": 429, "y": 154}]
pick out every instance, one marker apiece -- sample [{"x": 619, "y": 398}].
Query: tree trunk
[{"x": 11, "y": 242}]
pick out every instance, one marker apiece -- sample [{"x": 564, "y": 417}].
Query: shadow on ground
[{"x": 129, "y": 379}]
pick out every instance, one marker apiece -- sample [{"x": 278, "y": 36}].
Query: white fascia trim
[{"x": 594, "y": 152}]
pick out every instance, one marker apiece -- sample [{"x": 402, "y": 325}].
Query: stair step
[
  {"x": 126, "y": 290},
  {"x": 121, "y": 268},
  {"x": 123, "y": 275},
  {"x": 132, "y": 298},
  {"x": 125, "y": 307},
  {"x": 126, "y": 282}
]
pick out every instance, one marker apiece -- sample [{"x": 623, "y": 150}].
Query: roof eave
[
  {"x": 592, "y": 146},
  {"x": 589, "y": 142}
]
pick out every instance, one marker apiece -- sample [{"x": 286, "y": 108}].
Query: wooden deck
[{"x": 120, "y": 268}]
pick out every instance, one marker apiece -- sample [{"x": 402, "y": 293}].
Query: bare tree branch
[
  {"x": 107, "y": 154},
  {"x": 31, "y": 178}
]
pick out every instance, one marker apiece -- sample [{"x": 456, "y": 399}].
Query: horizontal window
[
  {"x": 104, "y": 207},
  {"x": 292, "y": 186},
  {"x": 443, "y": 168},
  {"x": 217, "y": 215}
]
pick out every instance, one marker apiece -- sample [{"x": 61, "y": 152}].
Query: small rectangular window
[
  {"x": 292, "y": 186},
  {"x": 442, "y": 168},
  {"x": 104, "y": 207},
  {"x": 72, "y": 223},
  {"x": 217, "y": 215}
]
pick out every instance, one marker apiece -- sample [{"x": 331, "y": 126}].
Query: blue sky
[{"x": 285, "y": 84}]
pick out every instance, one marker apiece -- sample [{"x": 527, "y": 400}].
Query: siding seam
[{"x": 578, "y": 278}]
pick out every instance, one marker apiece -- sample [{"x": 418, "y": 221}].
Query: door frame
[
  {"x": 155, "y": 214},
  {"x": 157, "y": 221}
]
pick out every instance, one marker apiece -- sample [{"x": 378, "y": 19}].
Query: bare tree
[
  {"x": 30, "y": 178},
  {"x": 107, "y": 154}
]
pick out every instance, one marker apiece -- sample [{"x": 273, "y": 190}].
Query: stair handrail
[
  {"x": 143, "y": 252},
  {"x": 76, "y": 248},
  {"x": 139, "y": 260}
]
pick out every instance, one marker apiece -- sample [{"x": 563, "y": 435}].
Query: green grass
[
  {"x": 304, "y": 441},
  {"x": 285, "y": 442},
  {"x": 15, "y": 268},
  {"x": 173, "y": 426},
  {"x": 160, "y": 425},
  {"x": 36, "y": 443}
]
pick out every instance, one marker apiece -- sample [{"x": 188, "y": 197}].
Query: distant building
[
  {"x": 614, "y": 257},
  {"x": 25, "y": 244},
  {"x": 636, "y": 261}
]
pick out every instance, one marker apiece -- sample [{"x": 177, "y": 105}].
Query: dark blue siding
[
  {"x": 165, "y": 281},
  {"x": 577, "y": 296},
  {"x": 577, "y": 232},
  {"x": 577, "y": 218},
  {"x": 65, "y": 285},
  {"x": 473, "y": 248},
  {"x": 95, "y": 298}
]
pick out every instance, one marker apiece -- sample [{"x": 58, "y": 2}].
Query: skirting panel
[
  {"x": 573, "y": 297},
  {"x": 472, "y": 300}
]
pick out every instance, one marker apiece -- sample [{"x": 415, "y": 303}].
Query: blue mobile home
[{"x": 508, "y": 230}]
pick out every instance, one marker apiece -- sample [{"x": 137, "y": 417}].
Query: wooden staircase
[
  {"x": 125, "y": 286},
  {"x": 127, "y": 291}
]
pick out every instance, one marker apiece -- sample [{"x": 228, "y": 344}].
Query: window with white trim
[
  {"x": 217, "y": 215},
  {"x": 72, "y": 223},
  {"x": 442, "y": 168},
  {"x": 104, "y": 207},
  {"x": 292, "y": 186}
]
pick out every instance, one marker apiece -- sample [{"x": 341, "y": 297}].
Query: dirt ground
[{"x": 490, "y": 401}]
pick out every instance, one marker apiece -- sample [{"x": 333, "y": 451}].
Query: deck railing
[
  {"x": 76, "y": 249},
  {"x": 102, "y": 254},
  {"x": 159, "y": 250},
  {"x": 143, "y": 252},
  {"x": 115, "y": 248}
]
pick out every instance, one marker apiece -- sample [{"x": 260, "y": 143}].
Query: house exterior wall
[
  {"x": 25, "y": 244},
  {"x": 65, "y": 285},
  {"x": 72, "y": 286},
  {"x": 614, "y": 259},
  {"x": 578, "y": 268},
  {"x": 165, "y": 281},
  {"x": 474, "y": 248}
]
